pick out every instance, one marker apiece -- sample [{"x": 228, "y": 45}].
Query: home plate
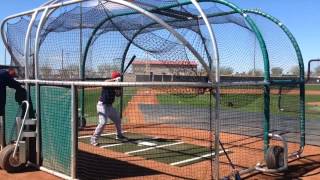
[{"x": 145, "y": 143}]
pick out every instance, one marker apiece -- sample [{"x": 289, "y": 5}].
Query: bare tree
[
  {"x": 105, "y": 70},
  {"x": 255, "y": 72},
  {"x": 317, "y": 71},
  {"x": 46, "y": 71},
  {"x": 90, "y": 72},
  {"x": 70, "y": 72},
  {"x": 226, "y": 70},
  {"x": 295, "y": 70}
]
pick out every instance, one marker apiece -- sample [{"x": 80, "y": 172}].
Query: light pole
[{"x": 62, "y": 59}]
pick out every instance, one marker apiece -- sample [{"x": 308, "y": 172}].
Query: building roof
[{"x": 169, "y": 63}]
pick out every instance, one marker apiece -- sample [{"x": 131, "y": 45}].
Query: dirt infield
[
  {"x": 273, "y": 91},
  {"x": 229, "y": 91},
  {"x": 246, "y": 152},
  {"x": 133, "y": 112},
  {"x": 108, "y": 164},
  {"x": 157, "y": 170},
  {"x": 313, "y": 103},
  {"x": 29, "y": 174},
  {"x": 307, "y": 167}
]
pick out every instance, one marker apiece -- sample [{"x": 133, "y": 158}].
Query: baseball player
[
  {"x": 105, "y": 110},
  {"x": 7, "y": 80}
]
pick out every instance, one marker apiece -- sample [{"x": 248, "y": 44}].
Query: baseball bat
[{"x": 130, "y": 62}]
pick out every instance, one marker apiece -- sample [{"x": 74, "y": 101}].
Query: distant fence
[{"x": 176, "y": 78}]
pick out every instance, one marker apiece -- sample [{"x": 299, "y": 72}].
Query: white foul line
[
  {"x": 155, "y": 147},
  {"x": 196, "y": 158},
  {"x": 111, "y": 145},
  {"x": 109, "y": 134}
]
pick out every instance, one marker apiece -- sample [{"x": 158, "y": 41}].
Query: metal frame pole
[
  {"x": 215, "y": 55},
  {"x": 81, "y": 70},
  {"x": 217, "y": 81},
  {"x": 301, "y": 65},
  {"x": 74, "y": 138},
  {"x": 2, "y": 133},
  {"x": 50, "y": 5},
  {"x": 163, "y": 24},
  {"x": 38, "y": 111},
  {"x": 27, "y": 45},
  {"x": 26, "y": 68}
]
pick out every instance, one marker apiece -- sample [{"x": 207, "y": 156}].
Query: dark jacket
[
  {"x": 108, "y": 95},
  {"x": 6, "y": 81}
]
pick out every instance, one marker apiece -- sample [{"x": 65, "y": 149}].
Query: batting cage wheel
[
  {"x": 274, "y": 157},
  {"x": 8, "y": 162}
]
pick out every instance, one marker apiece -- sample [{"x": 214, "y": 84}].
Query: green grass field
[
  {"x": 240, "y": 102},
  {"x": 246, "y": 103},
  {"x": 312, "y": 87}
]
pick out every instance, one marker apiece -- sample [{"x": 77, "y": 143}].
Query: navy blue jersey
[
  {"x": 6, "y": 80},
  {"x": 108, "y": 95}
]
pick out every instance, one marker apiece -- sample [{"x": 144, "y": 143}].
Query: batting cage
[
  {"x": 312, "y": 102},
  {"x": 207, "y": 90}
]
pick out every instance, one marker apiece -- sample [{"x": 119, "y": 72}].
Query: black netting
[
  {"x": 282, "y": 55},
  {"x": 68, "y": 29}
]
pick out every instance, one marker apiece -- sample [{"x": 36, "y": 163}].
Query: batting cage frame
[{"x": 208, "y": 126}]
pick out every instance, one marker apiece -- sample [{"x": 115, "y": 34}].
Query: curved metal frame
[
  {"x": 37, "y": 41},
  {"x": 46, "y": 13},
  {"x": 5, "y": 42},
  {"x": 264, "y": 53},
  {"x": 301, "y": 66},
  {"x": 262, "y": 44},
  {"x": 309, "y": 67},
  {"x": 166, "y": 26},
  {"x": 52, "y": 4},
  {"x": 156, "y": 19},
  {"x": 251, "y": 23},
  {"x": 27, "y": 43}
]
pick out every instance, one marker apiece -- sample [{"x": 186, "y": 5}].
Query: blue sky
[{"x": 301, "y": 17}]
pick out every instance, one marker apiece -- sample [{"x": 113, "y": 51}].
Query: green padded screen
[
  {"x": 10, "y": 116},
  {"x": 56, "y": 128}
]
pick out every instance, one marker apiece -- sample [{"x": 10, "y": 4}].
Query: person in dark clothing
[
  {"x": 7, "y": 80},
  {"x": 105, "y": 110}
]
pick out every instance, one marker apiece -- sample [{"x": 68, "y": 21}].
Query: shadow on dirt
[
  {"x": 93, "y": 166},
  {"x": 303, "y": 167}
]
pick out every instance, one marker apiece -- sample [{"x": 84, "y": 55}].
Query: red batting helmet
[{"x": 115, "y": 74}]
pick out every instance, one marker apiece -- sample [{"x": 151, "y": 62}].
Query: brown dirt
[
  {"x": 307, "y": 167},
  {"x": 313, "y": 103},
  {"x": 160, "y": 170},
  {"x": 245, "y": 152},
  {"x": 30, "y": 174},
  {"x": 273, "y": 91},
  {"x": 133, "y": 112}
]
